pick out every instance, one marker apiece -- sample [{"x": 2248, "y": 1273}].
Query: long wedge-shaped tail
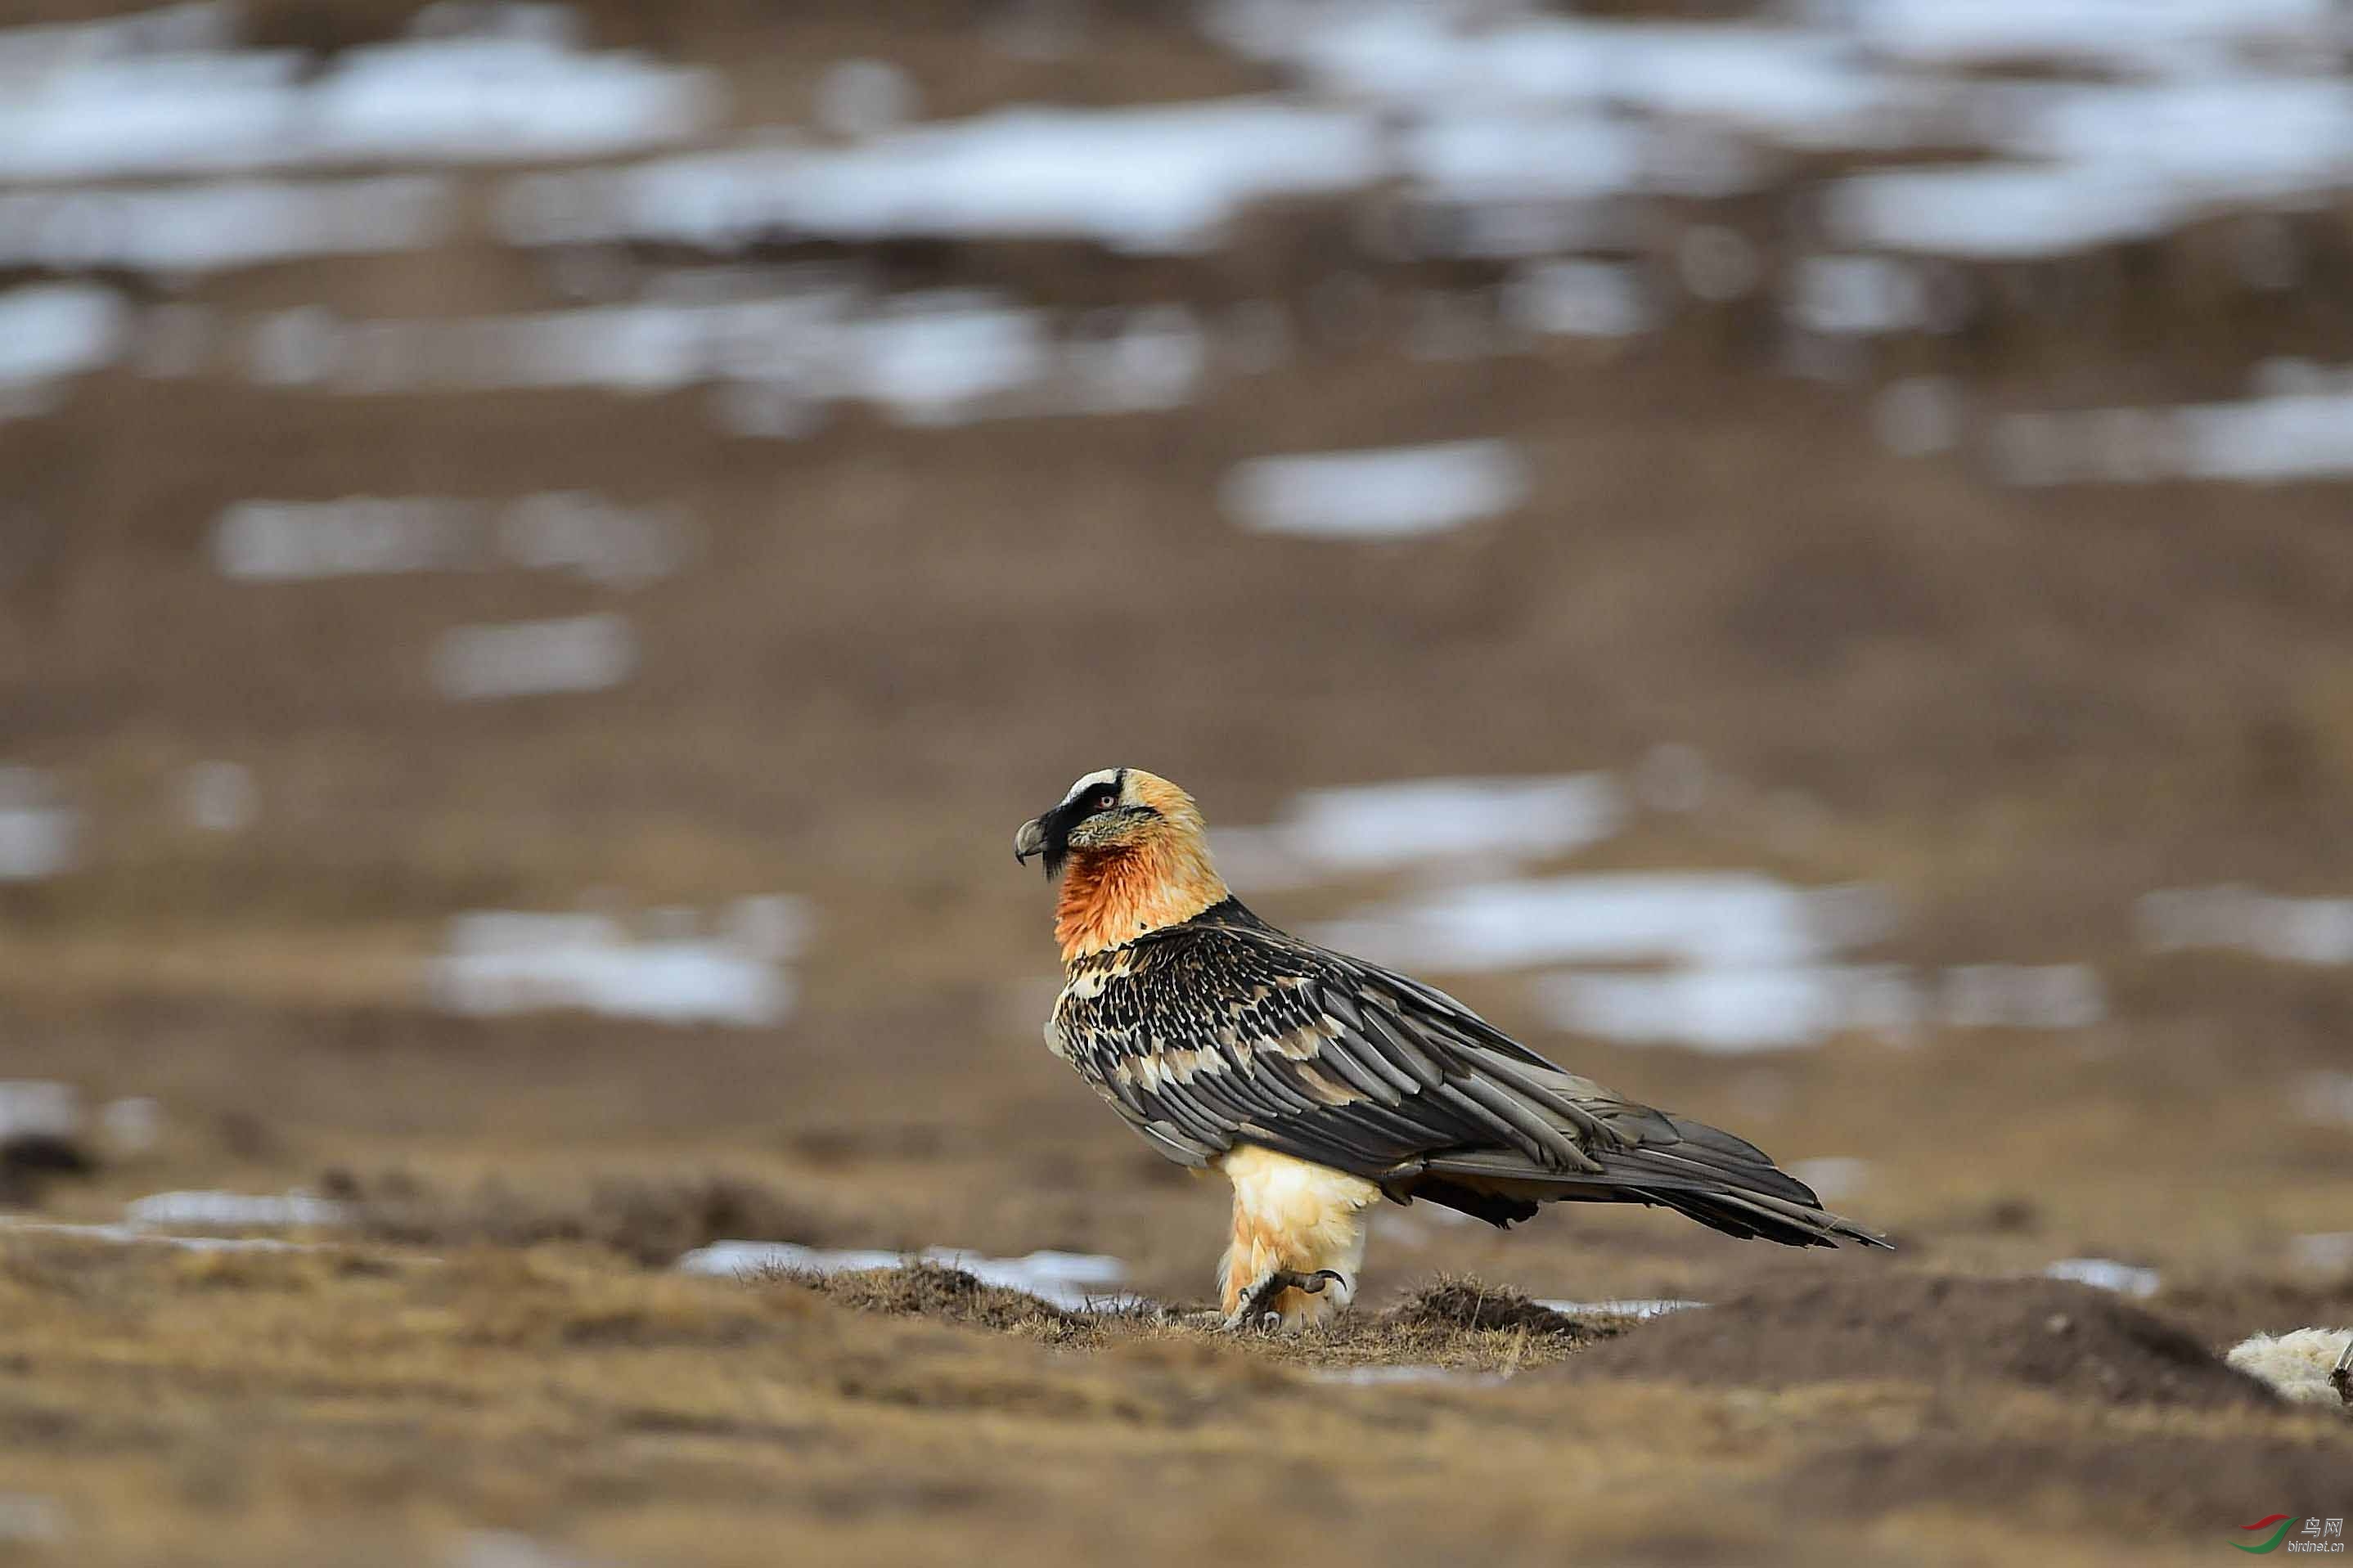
[{"x": 1724, "y": 1182}]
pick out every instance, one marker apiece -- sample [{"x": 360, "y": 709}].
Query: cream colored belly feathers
[{"x": 1291, "y": 1214}]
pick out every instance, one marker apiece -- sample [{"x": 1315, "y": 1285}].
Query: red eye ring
[{"x": 1106, "y": 802}]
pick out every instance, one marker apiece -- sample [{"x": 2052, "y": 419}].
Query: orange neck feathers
[{"x": 1112, "y": 896}]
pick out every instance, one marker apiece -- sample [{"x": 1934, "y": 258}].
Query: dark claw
[
  {"x": 1262, "y": 1298},
  {"x": 2341, "y": 1379}
]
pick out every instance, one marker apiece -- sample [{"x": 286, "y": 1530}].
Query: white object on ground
[
  {"x": 1729, "y": 919},
  {"x": 525, "y": 658},
  {"x": 2105, "y": 1274},
  {"x": 1147, "y": 180},
  {"x": 497, "y": 962},
  {"x": 1075, "y": 1281},
  {"x": 199, "y": 229},
  {"x": 38, "y": 1108},
  {"x": 1391, "y": 492},
  {"x": 49, "y": 331},
  {"x": 1638, "y": 1307},
  {"x": 234, "y": 1211}
]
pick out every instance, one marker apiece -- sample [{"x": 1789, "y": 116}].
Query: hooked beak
[{"x": 1029, "y": 839}]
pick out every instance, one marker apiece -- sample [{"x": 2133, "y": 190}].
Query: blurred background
[{"x": 1797, "y": 556}]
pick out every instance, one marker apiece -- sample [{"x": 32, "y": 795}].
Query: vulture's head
[{"x": 1111, "y": 811}]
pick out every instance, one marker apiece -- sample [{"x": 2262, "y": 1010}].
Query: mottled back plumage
[{"x": 1223, "y": 1030}]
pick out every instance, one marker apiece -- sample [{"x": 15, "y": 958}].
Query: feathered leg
[{"x": 1298, "y": 1243}]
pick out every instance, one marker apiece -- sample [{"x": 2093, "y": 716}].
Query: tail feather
[{"x": 1703, "y": 1172}]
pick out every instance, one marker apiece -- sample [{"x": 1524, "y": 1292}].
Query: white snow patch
[
  {"x": 493, "y": 100},
  {"x": 499, "y": 962},
  {"x": 1999, "y": 211},
  {"x": 1579, "y": 298},
  {"x": 1408, "y": 1374},
  {"x": 1637, "y": 1307},
  {"x": 2324, "y": 1250},
  {"x": 30, "y": 1517},
  {"x": 1383, "y": 493},
  {"x": 1075, "y": 1281},
  {"x": 1732, "y": 1010},
  {"x": 2288, "y": 930},
  {"x": 38, "y": 1108},
  {"x": 1147, "y": 180},
  {"x": 525, "y": 658},
  {"x": 2130, "y": 34},
  {"x": 37, "y": 837},
  {"x": 49, "y": 331},
  {"x": 2105, "y": 1274},
  {"x": 218, "y": 796},
  {"x": 589, "y": 536},
  {"x": 128, "y": 1236},
  {"x": 199, "y": 229},
  {"x": 233, "y": 1211},
  {"x": 1724, "y": 918}
]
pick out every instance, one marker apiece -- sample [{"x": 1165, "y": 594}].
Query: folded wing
[{"x": 1224, "y": 1030}]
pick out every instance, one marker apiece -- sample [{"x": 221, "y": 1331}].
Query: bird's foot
[
  {"x": 2342, "y": 1377},
  {"x": 1256, "y": 1313}
]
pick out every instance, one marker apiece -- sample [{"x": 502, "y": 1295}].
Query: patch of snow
[
  {"x": 2235, "y": 139},
  {"x": 2326, "y": 1250},
  {"x": 1384, "y": 493},
  {"x": 37, "y": 837},
  {"x": 1147, "y": 180},
  {"x": 2023, "y": 997},
  {"x": 131, "y": 1235},
  {"x": 1734, "y": 920},
  {"x": 1999, "y": 211},
  {"x": 30, "y": 1517},
  {"x": 497, "y": 962},
  {"x": 2325, "y": 1099},
  {"x": 48, "y": 330},
  {"x": 2127, "y": 35},
  {"x": 2105, "y": 1274},
  {"x": 1579, "y": 298},
  {"x": 39, "y": 1109},
  {"x": 595, "y": 539},
  {"x": 1404, "y": 1375},
  {"x": 199, "y": 229},
  {"x": 493, "y": 100},
  {"x": 1075, "y": 1281},
  {"x": 942, "y": 360},
  {"x": 1657, "y": 1307},
  {"x": 218, "y": 796},
  {"x": 2289, "y": 930},
  {"x": 1732, "y": 1009},
  {"x": 234, "y": 1211},
  {"x": 1803, "y": 87},
  {"x": 1858, "y": 296},
  {"x": 525, "y": 658},
  {"x": 1377, "y": 827}
]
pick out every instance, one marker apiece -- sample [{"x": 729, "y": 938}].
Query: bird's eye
[{"x": 1106, "y": 802}]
